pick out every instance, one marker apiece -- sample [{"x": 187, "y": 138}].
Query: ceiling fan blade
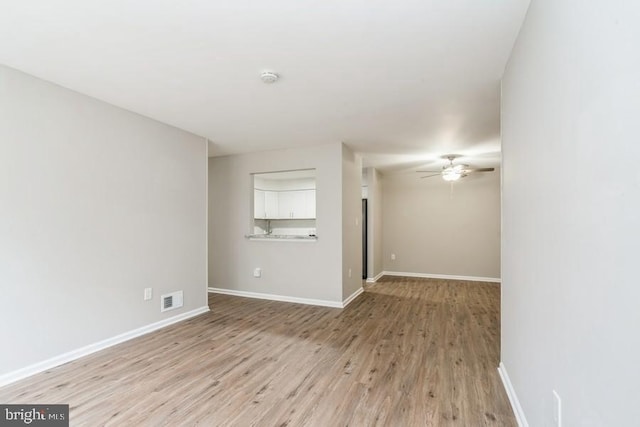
[
  {"x": 429, "y": 176},
  {"x": 480, "y": 170},
  {"x": 428, "y": 171}
]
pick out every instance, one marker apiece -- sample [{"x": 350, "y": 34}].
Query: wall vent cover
[
  {"x": 168, "y": 302},
  {"x": 171, "y": 301}
]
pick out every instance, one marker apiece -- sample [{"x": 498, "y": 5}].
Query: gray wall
[
  {"x": 96, "y": 203},
  {"x": 294, "y": 269},
  {"x": 571, "y": 239},
  {"x": 351, "y": 222},
  {"x": 374, "y": 225},
  {"x": 434, "y": 231}
]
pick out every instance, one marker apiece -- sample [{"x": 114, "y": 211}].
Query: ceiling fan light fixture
[{"x": 452, "y": 173}]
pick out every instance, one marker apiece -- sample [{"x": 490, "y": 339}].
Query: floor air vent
[{"x": 171, "y": 301}]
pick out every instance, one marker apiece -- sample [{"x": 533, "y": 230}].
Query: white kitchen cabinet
[
  {"x": 290, "y": 204},
  {"x": 285, "y": 204},
  {"x": 259, "y": 210},
  {"x": 310, "y": 203},
  {"x": 271, "y": 203},
  {"x": 300, "y": 204},
  {"x": 265, "y": 204}
]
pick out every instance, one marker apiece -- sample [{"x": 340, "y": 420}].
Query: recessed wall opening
[{"x": 284, "y": 203}]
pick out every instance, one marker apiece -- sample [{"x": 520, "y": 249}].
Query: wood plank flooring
[{"x": 407, "y": 352}]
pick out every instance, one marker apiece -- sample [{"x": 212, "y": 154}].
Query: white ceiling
[{"x": 401, "y": 81}]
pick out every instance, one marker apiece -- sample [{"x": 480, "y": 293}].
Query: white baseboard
[
  {"x": 25, "y": 372},
  {"x": 375, "y": 279},
  {"x": 272, "y": 297},
  {"x": 513, "y": 399},
  {"x": 352, "y": 297},
  {"x": 441, "y": 276}
]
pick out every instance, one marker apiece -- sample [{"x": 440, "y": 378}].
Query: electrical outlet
[
  {"x": 393, "y": 257},
  {"x": 357, "y": 222},
  {"x": 349, "y": 272},
  {"x": 148, "y": 294},
  {"x": 257, "y": 272},
  {"x": 557, "y": 409}
]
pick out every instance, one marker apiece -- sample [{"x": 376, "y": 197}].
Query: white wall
[
  {"x": 311, "y": 270},
  {"x": 374, "y": 224},
  {"x": 284, "y": 184},
  {"x": 96, "y": 203},
  {"x": 571, "y": 191},
  {"x": 351, "y": 222},
  {"x": 434, "y": 231}
]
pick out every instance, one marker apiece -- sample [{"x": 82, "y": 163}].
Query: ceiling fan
[{"x": 453, "y": 172}]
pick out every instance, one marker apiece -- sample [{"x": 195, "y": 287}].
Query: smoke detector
[{"x": 268, "y": 77}]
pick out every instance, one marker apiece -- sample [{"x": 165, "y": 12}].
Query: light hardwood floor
[{"x": 407, "y": 352}]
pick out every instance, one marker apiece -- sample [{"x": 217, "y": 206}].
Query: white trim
[
  {"x": 352, "y": 296},
  {"x": 513, "y": 398},
  {"x": 206, "y": 220},
  {"x": 375, "y": 279},
  {"x": 272, "y": 297},
  {"x": 72, "y": 355},
  {"x": 283, "y": 298},
  {"x": 442, "y": 276}
]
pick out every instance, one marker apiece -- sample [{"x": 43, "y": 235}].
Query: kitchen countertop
[{"x": 282, "y": 237}]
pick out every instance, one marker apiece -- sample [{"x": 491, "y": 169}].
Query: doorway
[{"x": 364, "y": 239}]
